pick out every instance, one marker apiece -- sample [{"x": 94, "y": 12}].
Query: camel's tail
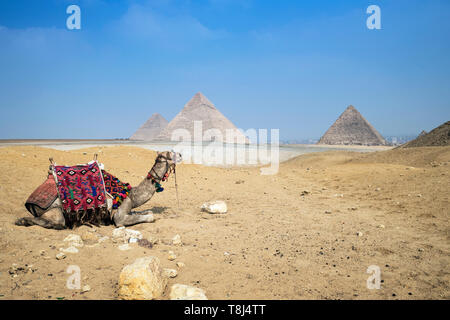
[{"x": 34, "y": 221}]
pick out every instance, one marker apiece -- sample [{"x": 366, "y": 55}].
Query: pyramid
[
  {"x": 439, "y": 136},
  {"x": 199, "y": 108},
  {"x": 351, "y": 128},
  {"x": 151, "y": 128}
]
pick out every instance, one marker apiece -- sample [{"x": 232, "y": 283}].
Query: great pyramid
[
  {"x": 439, "y": 136},
  {"x": 151, "y": 128},
  {"x": 351, "y": 128},
  {"x": 199, "y": 108}
]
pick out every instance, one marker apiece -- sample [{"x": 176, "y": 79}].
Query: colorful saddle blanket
[
  {"x": 81, "y": 187},
  {"x": 43, "y": 197},
  {"x": 117, "y": 189}
]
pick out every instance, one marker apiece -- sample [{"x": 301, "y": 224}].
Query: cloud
[{"x": 173, "y": 29}]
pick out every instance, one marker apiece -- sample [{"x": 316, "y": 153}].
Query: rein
[{"x": 156, "y": 179}]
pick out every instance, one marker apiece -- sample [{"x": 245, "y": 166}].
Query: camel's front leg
[{"x": 123, "y": 216}]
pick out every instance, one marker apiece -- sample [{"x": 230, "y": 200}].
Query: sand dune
[{"x": 274, "y": 243}]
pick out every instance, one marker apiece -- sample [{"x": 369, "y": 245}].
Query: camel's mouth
[{"x": 177, "y": 157}]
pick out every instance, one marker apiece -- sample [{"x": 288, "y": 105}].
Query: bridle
[
  {"x": 170, "y": 168},
  {"x": 152, "y": 174}
]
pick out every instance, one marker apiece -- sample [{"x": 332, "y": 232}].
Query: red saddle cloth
[
  {"x": 42, "y": 197},
  {"x": 81, "y": 187}
]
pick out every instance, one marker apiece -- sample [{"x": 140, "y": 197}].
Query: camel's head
[{"x": 165, "y": 164}]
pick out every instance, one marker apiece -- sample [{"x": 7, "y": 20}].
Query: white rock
[
  {"x": 215, "y": 207},
  {"x": 142, "y": 280},
  {"x": 103, "y": 239},
  {"x": 74, "y": 240},
  {"x": 171, "y": 256},
  {"x": 60, "y": 256},
  {"x": 170, "y": 273},
  {"x": 381, "y": 226},
  {"x": 184, "y": 292},
  {"x": 359, "y": 234},
  {"x": 176, "y": 240},
  {"x": 180, "y": 265},
  {"x": 69, "y": 250},
  {"x": 86, "y": 288},
  {"x": 125, "y": 234}
]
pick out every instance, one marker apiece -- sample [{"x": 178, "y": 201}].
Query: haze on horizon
[{"x": 290, "y": 65}]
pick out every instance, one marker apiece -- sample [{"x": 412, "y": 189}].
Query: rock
[
  {"x": 142, "y": 280},
  {"x": 60, "y": 256},
  {"x": 378, "y": 189},
  {"x": 123, "y": 234},
  {"x": 69, "y": 250},
  {"x": 170, "y": 273},
  {"x": 171, "y": 256},
  {"x": 42, "y": 252},
  {"x": 180, "y": 265},
  {"x": 381, "y": 226},
  {"x": 85, "y": 288},
  {"x": 124, "y": 247},
  {"x": 304, "y": 193},
  {"x": 103, "y": 239},
  {"x": 184, "y": 292},
  {"x": 74, "y": 240},
  {"x": 327, "y": 212},
  {"x": 176, "y": 240},
  {"x": 359, "y": 234},
  {"x": 215, "y": 207}
]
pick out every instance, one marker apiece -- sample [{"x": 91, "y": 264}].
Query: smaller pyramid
[
  {"x": 151, "y": 128},
  {"x": 439, "y": 136},
  {"x": 351, "y": 128}
]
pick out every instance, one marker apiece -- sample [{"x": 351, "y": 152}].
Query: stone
[
  {"x": 184, "y": 292},
  {"x": 142, "y": 280},
  {"x": 171, "y": 256},
  {"x": 176, "y": 240},
  {"x": 85, "y": 288},
  {"x": 215, "y": 207},
  {"x": 327, "y": 212},
  {"x": 180, "y": 265},
  {"x": 69, "y": 250},
  {"x": 123, "y": 234},
  {"x": 74, "y": 240},
  {"x": 60, "y": 256},
  {"x": 359, "y": 234},
  {"x": 381, "y": 226},
  {"x": 170, "y": 273}
]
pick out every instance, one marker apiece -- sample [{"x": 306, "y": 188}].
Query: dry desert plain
[{"x": 309, "y": 232}]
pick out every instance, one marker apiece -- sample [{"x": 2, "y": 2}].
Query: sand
[{"x": 274, "y": 242}]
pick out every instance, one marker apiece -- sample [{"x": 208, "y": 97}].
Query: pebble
[
  {"x": 170, "y": 273},
  {"x": 381, "y": 226},
  {"x": 180, "y": 265},
  {"x": 60, "y": 256},
  {"x": 171, "y": 256},
  {"x": 85, "y": 288},
  {"x": 359, "y": 234},
  {"x": 74, "y": 240},
  {"x": 327, "y": 212},
  {"x": 176, "y": 240},
  {"x": 69, "y": 250}
]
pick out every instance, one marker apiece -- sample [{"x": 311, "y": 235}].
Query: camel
[{"x": 53, "y": 217}]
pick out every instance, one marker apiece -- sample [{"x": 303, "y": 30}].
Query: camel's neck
[{"x": 146, "y": 189}]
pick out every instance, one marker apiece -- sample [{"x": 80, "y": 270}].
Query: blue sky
[{"x": 291, "y": 65}]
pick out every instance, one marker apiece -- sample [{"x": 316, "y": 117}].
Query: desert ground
[{"x": 309, "y": 232}]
